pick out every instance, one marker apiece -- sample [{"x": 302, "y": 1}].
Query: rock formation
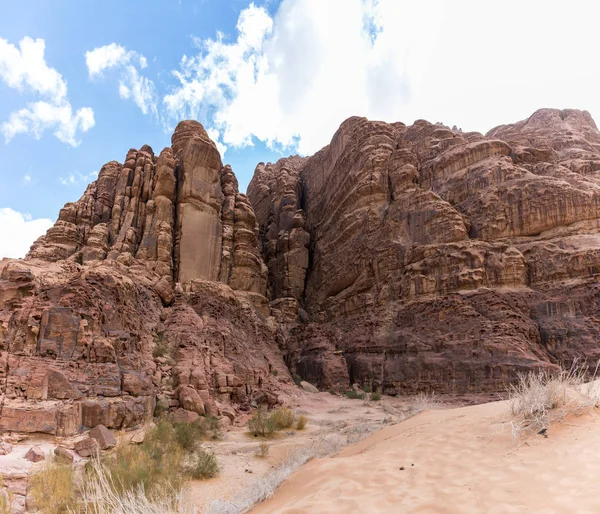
[
  {"x": 148, "y": 292},
  {"x": 418, "y": 257},
  {"x": 405, "y": 258}
]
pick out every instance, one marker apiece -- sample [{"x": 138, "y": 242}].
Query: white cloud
[
  {"x": 131, "y": 84},
  {"x": 25, "y": 69},
  {"x": 27, "y": 180},
  {"x": 76, "y": 179},
  {"x": 291, "y": 79},
  {"x": 18, "y": 232},
  {"x": 105, "y": 57},
  {"x": 41, "y": 116}
]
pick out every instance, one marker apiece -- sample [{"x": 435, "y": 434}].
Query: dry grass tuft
[
  {"x": 301, "y": 422},
  {"x": 53, "y": 488},
  {"x": 282, "y": 418},
  {"x": 542, "y": 398},
  {"x": 100, "y": 495},
  {"x": 263, "y": 449}
]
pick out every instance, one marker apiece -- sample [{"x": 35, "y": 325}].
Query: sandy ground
[
  {"x": 337, "y": 418},
  {"x": 459, "y": 460}
]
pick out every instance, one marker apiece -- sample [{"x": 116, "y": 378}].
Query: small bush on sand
[
  {"x": 375, "y": 397},
  {"x": 301, "y": 422},
  {"x": 53, "y": 489},
  {"x": 282, "y": 418},
  {"x": 541, "y": 398},
  {"x": 261, "y": 424},
  {"x": 297, "y": 379},
  {"x": 205, "y": 465},
  {"x": 262, "y": 450},
  {"x": 188, "y": 435},
  {"x": 354, "y": 395}
]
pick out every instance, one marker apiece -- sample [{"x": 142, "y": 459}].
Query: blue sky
[{"x": 82, "y": 82}]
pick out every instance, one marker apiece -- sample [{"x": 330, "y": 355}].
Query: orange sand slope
[{"x": 456, "y": 461}]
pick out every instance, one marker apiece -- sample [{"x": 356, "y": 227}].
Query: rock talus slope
[{"x": 421, "y": 257}]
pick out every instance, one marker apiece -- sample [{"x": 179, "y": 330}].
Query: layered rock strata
[
  {"x": 402, "y": 258},
  {"x": 424, "y": 258}
]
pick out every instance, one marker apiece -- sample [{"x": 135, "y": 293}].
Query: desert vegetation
[
  {"x": 143, "y": 478},
  {"x": 264, "y": 424},
  {"x": 541, "y": 398}
]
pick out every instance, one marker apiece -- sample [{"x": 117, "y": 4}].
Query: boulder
[
  {"x": 87, "y": 447},
  {"x": 190, "y": 400},
  {"x": 64, "y": 453},
  {"x": 309, "y": 388},
  {"x": 35, "y": 454},
  {"x": 104, "y": 437}
]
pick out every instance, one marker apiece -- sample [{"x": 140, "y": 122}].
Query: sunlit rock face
[
  {"x": 149, "y": 290},
  {"x": 405, "y": 258},
  {"x": 421, "y": 257}
]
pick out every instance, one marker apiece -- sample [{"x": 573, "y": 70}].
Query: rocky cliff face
[
  {"x": 422, "y": 257},
  {"x": 149, "y": 291},
  {"x": 405, "y": 258}
]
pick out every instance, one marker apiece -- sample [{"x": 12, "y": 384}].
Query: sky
[{"x": 83, "y": 82}]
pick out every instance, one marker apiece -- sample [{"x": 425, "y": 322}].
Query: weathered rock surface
[
  {"x": 419, "y": 257},
  {"x": 403, "y": 258},
  {"x": 151, "y": 284}
]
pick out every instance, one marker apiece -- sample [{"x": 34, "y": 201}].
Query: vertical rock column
[{"x": 198, "y": 229}]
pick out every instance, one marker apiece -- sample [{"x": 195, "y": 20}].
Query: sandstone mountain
[{"x": 405, "y": 258}]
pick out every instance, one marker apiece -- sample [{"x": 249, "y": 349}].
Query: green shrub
[
  {"x": 188, "y": 435},
  {"x": 375, "y": 396},
  {"x": 354, "y": 395},
  {"x": 301, "y": 422},
  {"x": 205, "y": 466},
  {"x": 297, "y": 379},
  {"x": 261, "y": 424},
  {"x": 154, "y": 464}
]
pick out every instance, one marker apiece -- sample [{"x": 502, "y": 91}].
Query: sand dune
[{"x": 460, "y": 460}]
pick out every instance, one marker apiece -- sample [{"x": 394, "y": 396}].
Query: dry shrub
[
  {"x": 100, "y": 495},
  {"x": 301, "y": 422},
  {"x": 542, "y": 398},
  {"x": 282, "y": 418},
  {"x": 261, "y": 424},
  {"x": 263, "y": 449},
  {"x": 152, "y": 465},
  {"x": 354, "y": 395},
  {"x": 205, "y": 466},
  {"x": 53, "y": 488}
]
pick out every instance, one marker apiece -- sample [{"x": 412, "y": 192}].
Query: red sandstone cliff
[{"x": 404, "y": 257}]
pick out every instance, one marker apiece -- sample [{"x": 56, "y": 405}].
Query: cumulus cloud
[
  {"x": 290, "y": 79},
  {"x": 125, "y": 63},
  {"x": 25, "y": 69},
  {"x": 18, "y": 231}
]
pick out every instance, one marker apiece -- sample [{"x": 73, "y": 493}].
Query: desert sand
[{"x": 458, "y": 460}]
